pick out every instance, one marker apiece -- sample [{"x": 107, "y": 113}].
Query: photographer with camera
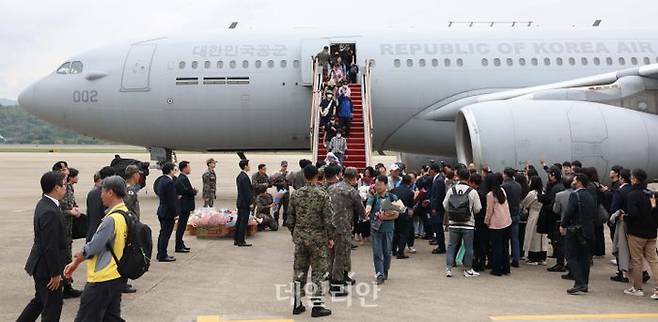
[{"x": 577, "y": 226}]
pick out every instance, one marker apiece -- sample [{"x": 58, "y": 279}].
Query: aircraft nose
[{"x": 26, "y": 99}]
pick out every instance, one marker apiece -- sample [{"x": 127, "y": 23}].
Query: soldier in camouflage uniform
[
  {"x": 280, "y": 182},
  {"x": 132, "y": 189},
  {"x": 345, "y": 202},
  {"x": 69, "y": 210},
  {"x": 263, "y": 209},
  {"x": 209, "y": 184},
  {"x": 261, "y": 178},
  {"x": 309, "y": 221}
]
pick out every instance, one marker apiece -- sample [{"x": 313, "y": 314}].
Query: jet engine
[{"x": 509, "y": 133}]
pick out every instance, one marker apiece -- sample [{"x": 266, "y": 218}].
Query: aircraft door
[
  {"x": 137, "y": 68},
  {"x": 310, "y": 48}
]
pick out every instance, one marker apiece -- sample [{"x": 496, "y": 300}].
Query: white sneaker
[
  {"x": 654, "y": 296},
  {"x": 471, "y": 273},
  {"x": 532, "y": 263},
  {"x": 448, "y": 273},
  {"x": 613, "y": 262},
  {"x": 543, "y": 263},
  {"x": 634, "y": 292},
  {"x": 411, "y": 250}
]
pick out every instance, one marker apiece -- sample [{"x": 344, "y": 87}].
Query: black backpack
[
  {"x": 459, "y": 206},
  {"x": 137, "y": 251}
]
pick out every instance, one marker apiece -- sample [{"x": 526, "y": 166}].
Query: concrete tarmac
[{"x": 223, "y": 282}]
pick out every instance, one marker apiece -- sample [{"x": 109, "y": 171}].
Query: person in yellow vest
[{"x": 101, "y": 298}]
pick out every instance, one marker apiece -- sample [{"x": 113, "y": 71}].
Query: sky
[{"x": 36, "y": 36}]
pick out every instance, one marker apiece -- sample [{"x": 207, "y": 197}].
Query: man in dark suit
[
  {"x": 187, "y": 193},
  {"x": 577, "y": 226},
  {"x": 46, "y": 261},
  {"x": 95, "y": 208},
  {"x": 244, "y": 203},
  {"x": 404, "y": 224},
  {"x": 167, "y": 210},
  {"x": 437, "y": 194},
  {"x": 619, "y": 202}
]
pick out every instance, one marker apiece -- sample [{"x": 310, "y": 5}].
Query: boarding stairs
[{"x": 359, "y": 141}]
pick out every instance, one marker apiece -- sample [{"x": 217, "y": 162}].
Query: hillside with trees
[{"x": 20, "y": 127}]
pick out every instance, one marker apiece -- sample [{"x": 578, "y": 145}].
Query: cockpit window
[
  {"x": 64, "y": 69},
  {"x": 76, "y": 67}
]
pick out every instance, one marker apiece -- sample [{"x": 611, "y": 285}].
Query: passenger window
[
  {"x": 572, "y": 61},
  {"x": 559, "y": 61},
  {"x": 435, "y": 62},
  {"x": 284, "y": 63},
  {"x": 446, "y": 62},
  {"x": 485, "y": 62},
  {"x": 460, "y": 62},
  {"x": 522, "y": 61},
  {"x": 65, "y": 68},
  {"x": 181, "y": 65},
  {"x": 206, "y": 64},
  {"x": 510, "y": 62},
  {"x": 270, "y": 63},
  {"x": 295, "y": 63},
  {"x": 421, "y": 62},
  {"x": 633, "y": 61},
  {"x": 647, "y": 61},
  {"x": 220, "y": 64},
  {"x": 195, "y": 64},
  {"x": 583, "y": 61},
  {"x": 547, "y": 61},
  {"x": 232, "y": 64},
  {"x": 410, "y": 63},
  {"x": 534, "y": 61},
  {"x": 258, "y": 63},
  {"x": 245, "y": 64},
  {"x": 622, "y": 61},
  {"x": 76, "y": 67},
  {"x": 496, "y": 62},
  {"x": 597, "y": 61},
  {"x": 396, "y": 63},
  {"x": 608, "y": 61}
]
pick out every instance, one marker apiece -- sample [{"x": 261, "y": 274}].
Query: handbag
[{"x": 80, "y": 227}]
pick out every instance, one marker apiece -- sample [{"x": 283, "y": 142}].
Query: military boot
[
  {"x": 348, "y": 279},
  {"x": 338, "y": 288},
  {"x": 298, "y": 307},
  {"x": 318, "y": 308}
]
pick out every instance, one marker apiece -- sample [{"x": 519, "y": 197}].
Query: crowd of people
[{"x": 481, "y": 220}]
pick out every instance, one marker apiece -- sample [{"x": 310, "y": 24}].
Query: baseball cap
[{"x": 394, "y": 167}]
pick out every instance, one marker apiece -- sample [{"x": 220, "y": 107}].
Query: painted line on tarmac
[
  {"x": 215, "y": 318},
  {"x": 558, "y": 317}
]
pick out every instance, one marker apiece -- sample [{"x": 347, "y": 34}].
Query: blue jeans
[
  {"x": 516, "y": 245},
  {"x": 381, "y": 251},
  {"x": 466, "y": 237}
]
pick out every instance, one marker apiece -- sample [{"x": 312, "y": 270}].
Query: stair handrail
[
  {"x": 367, "y": 109},
  {"x": 315, "y": 107}
]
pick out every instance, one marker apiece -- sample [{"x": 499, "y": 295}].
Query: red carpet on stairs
[{"x": 356, "y": 150}]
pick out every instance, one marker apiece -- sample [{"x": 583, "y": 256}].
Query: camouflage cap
[
  {"x": 209, "y": 161},
  {"x": 284, "y": 163}
]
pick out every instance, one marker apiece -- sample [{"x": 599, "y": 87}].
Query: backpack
[
  {"x": 137, "y": 251},
  {"x": 459, "y": 206}
]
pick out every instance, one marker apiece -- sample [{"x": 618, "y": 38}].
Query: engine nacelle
[{"x": 509, "y": 133}]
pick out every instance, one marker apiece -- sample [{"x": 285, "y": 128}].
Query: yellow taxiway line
[
  {"x": 570, "y": 317},
  {"x": 215, "y": 318}
]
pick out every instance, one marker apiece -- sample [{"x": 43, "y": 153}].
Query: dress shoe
[
  {"x": 182, "y": 250},
  {"x": 434, "y": 242},
  {"x": 243, "y": 245},
  {"x": 557, "y": 268},
  {"x": 402, "y": 257},
  {"x": 645, "y": 277},
  {"x": 567, "y": 277},
  {"x": 299, "y": 309},
  {"x": 318, "y": 311},
  {"x": 619, "y": 278},
  {"x": 167, "y": 259},
  {"x": 185, "y": 246},
  {"x": 71, "y": 293},
  {"x": 494, "y": 273},
  {"x": 128, "y": 289},
  {"x": 515, "y": 264},
  {"x": 576, "y": 289},
  {"x": 438, "y": 251},
  {"x": 349, "y": 280}
]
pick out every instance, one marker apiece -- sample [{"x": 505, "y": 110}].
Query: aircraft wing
[{"x": 609, "y": 88}]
